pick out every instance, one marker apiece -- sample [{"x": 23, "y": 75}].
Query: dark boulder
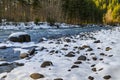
[
  {"x": 82, "y": 58},
  {"x": 107, "y": 77},
  {"x": 97, "y": 41},
  {"x": 46, "y": 63},
  {"x": 31, "y": 51},
  {"x": 70, "y": 54},
  {"x": 19, "y": 37}
]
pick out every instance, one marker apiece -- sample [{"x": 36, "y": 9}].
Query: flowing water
[{"x": 36, "y": 35}]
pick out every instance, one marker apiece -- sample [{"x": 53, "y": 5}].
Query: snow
[
  {"x": 17, "y": 34},
  {"x": 31, "y": 25},
  {"x": 62, "y": 65}
]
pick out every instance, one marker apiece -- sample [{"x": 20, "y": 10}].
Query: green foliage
[
  {"x": 110, "y": 10},
  {"x": 36, "y": 4},
  {"x": 36, "y": 21},
  {"x": 23, "y": 2},
  {"x": 71, "y": 11},
  {"x": 116, "y": 13},
  {"x": 85, "y": 10},
  {"x": 51, "y": 21}
]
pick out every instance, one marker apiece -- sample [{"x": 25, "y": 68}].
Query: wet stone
[
  {"x": 82, "y": 58},
  {"x": 97, "y": 41},
  {"x": 21, "y": 37},
  {"x": 107, "y": 77},
  {"x": 52, "y": 51},
  {"x": 70, "y": 54},
  {"x": 75, "y": 47},
  {"x": 4, "y": 77},
  {"x": 57, "y": 51},
  {"x": 100, "y": 69},
  {"x": 108, "y": 48},
  {"x": 94, "y": 69},
  {"x": 23, "y": 55},
  {"x": 50, "y": 42},
  {"x": 36, "y": 76},
  {"x": 81, "y": 48},
  {"x": 93, "y": 65},
  {"x": 65, "y": 49},
  {"x": 94, "y": 58},
  {"x": 102, "y": 54},
  {"x": 75, "y": 66},
  {"x": 66, "y": 45},
  {"x": 110, "y": 55},
  {"x": 31, "y": 51},
  {"x": 78, "y": 62},
  {"x": 85, "y": 46},
  {"x": 67, "y": 40},
  {"x": 98, "y": 48},
  {"x": 69, "y": 70},
  {"x": 91, "y": 78},
  {"x": 92, "y": 53},
  {"x": 101, "y": 59},
  {"x": 46, "y": 63},
  {"x": 89, "y": 49},
  {"x": 42, "y": 48}
]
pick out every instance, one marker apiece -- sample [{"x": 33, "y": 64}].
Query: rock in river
[{"x": 19, "y": 37}]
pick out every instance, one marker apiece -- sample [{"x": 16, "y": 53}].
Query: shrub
[
  {"x": 51, "y": 21},
  {"x": 36, "y": 21}
]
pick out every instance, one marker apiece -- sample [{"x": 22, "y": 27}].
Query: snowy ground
[
  {"x": 88, "y": 56},
  {"x": 31, "y": 25}
]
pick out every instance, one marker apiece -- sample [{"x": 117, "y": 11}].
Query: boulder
[
  {"x": 31, "y": 51},
  {"x": 19, "y": 37},
  {"x": 70, "y": 54},
  {"x": 36, "y": 76},
  {"x": 67, "y": 40},
  {"x": 78, "y": 62},
  {"x": 23, "y": 55},
  {"x": 97, "y": 41},
  {"x": 75, "y": 66},
  {"x": 82, "y": 58},
  {"x": 108, "y": 48},
  {"x": 91, "y": 78},
  {"x": 46, "y": 63},
  {"x": 107, "y": 77}
]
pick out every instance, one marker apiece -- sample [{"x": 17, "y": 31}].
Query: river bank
[{"x": 85, "y": 56}]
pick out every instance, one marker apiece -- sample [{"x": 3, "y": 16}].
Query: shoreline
[
  {"x": 81, "y": 55},
  {"x": 45, "y": 25}
]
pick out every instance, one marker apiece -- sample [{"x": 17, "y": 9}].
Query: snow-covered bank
[
  {"x": 43, "y": 25},
  {"x": 88, "y": 56},
  {"x": 32, "y": 25}
]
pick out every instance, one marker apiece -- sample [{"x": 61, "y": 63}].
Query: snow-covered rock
[{"x": 19, "y": 37}]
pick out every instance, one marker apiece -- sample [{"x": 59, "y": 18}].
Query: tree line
[{"x": 68, "y": 11}]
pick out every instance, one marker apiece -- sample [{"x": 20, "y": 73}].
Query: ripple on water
[{"x": 9, "y": 54}]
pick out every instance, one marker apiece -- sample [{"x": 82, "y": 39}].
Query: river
[{"x": 36, "y": 35}]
